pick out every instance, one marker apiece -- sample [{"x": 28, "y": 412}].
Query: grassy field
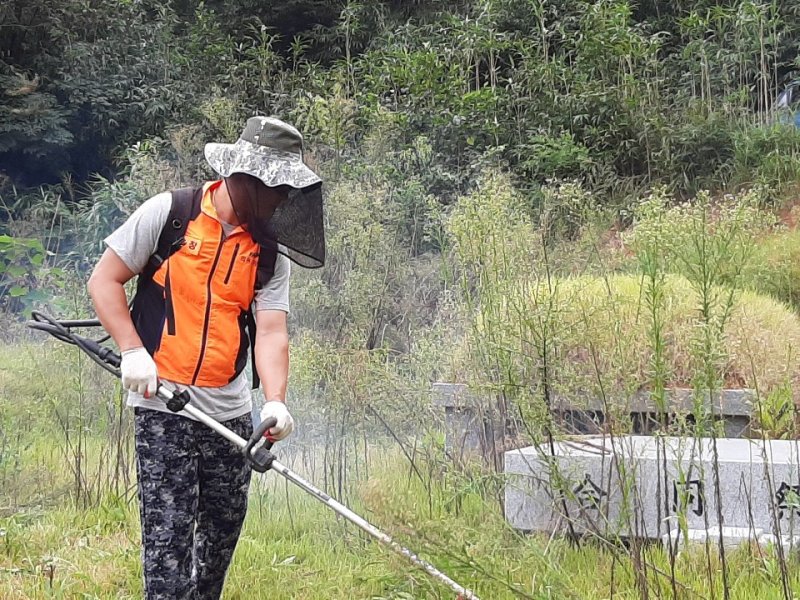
[
  {"x": 293, "y": 547},
  {"x": 69, "y": 522}
]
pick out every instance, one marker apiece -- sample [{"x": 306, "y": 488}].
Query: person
[{"x": 191, "y": 328}]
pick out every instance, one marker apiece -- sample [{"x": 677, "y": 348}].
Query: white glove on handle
[
  {"x": 277, "y": 410},
  {"x": 139, "y": 373}
]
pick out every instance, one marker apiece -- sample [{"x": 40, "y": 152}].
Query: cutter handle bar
[{"x": 256, "y": 449}]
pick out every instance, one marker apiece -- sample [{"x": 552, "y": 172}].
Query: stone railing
[
  {"x": 732, "y": 408},
  {"x": 472, "y": 427},
  {"x": 639, "y": 485},
  {"x": 476, "y": 426}
]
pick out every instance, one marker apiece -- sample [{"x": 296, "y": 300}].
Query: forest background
[{"x": 474, "y": 153}]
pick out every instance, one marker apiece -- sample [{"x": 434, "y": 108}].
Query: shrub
[
  {"x": 775, "y": 268},
  {"x": 767, "y": 154}
]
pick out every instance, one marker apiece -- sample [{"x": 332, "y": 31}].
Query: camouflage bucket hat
[
  {"x": 269, "y": 150},
  {"x": 272, "y": 151}
]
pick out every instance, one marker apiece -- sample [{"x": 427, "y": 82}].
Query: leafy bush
[
  {"x": 733, "y": 240},
  {"x": 709, "y": 241},
  {"x": 768, "y": 154},
  {"x": 27, "y": 281},
  {"x": 545, "y": 156},
  {"x": 775, "y": 268},
  {"x": 22, "y": 138},
  {"x": 694, "y": 149}
]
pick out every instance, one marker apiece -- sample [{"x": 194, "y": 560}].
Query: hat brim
[{"x": 272, "y": 167}]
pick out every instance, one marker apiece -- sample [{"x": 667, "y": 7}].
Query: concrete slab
[
  {"x": 472, "y": 427},
  {"x": 645, "y": 486}
]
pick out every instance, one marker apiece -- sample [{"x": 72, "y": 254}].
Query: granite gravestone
[{"x": 653, "y": 487}]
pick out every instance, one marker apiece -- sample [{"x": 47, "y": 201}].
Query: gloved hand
[
  {"x": 277, "y": 409},
  {"x": 139, "y": 373}
]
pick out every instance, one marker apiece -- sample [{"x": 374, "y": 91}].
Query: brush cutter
[{"x": 256, "y": 450}]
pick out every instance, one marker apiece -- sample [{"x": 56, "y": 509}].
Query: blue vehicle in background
[{"x": 787, "y": 104}]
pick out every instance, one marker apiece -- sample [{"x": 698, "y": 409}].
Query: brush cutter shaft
[
  {"x": 337, "y": 507},
  {"x": 348, "y": 514}
]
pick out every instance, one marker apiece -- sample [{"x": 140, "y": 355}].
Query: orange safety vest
[{"x": 194, "y": 313}]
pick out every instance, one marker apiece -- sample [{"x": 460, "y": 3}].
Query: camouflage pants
[{"x": 192, "y": 498}]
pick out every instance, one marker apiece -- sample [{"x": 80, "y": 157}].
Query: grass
[
  {"x": 293, "y": 547},
  {"x": 775, "y": 268}
]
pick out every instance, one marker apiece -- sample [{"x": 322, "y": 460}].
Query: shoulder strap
[
  {"x": 185, "y": 206},
  {"x": 267, "y": 256},
  {"x": 148, "y": 300}
]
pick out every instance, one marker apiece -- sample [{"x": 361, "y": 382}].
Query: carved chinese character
[
  {"x": 788, "y": 499},
  {"x": 588, "y": 493},
  {"x": 688, "y": 494}
]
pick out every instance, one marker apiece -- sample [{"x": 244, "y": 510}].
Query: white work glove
[
  {"x": 139, "y": 373},
  {"x": 277, "y": 410}
]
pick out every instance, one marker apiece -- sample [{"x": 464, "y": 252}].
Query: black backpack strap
[
  {"x": 150, "y": 306},
  {"x": 185, "y": 206},
  {"x": 267, "y": 256}
]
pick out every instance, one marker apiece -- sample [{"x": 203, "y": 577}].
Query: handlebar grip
[
  {"x": 260, "y": 431},
  {"x": 80, "y": 323},
  {"x": 262, "y": 458}
]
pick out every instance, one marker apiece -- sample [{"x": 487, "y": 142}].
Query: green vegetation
[
  {"x": 294, "y": 547},
  {"x": 594, "y": 314}
]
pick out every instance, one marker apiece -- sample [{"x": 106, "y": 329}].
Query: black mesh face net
[{"x": 296, "y": 227}]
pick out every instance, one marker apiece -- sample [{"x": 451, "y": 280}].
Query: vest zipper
[
  {"x": 233, "y": 262},
  {"x": 204, "y": 339}
]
